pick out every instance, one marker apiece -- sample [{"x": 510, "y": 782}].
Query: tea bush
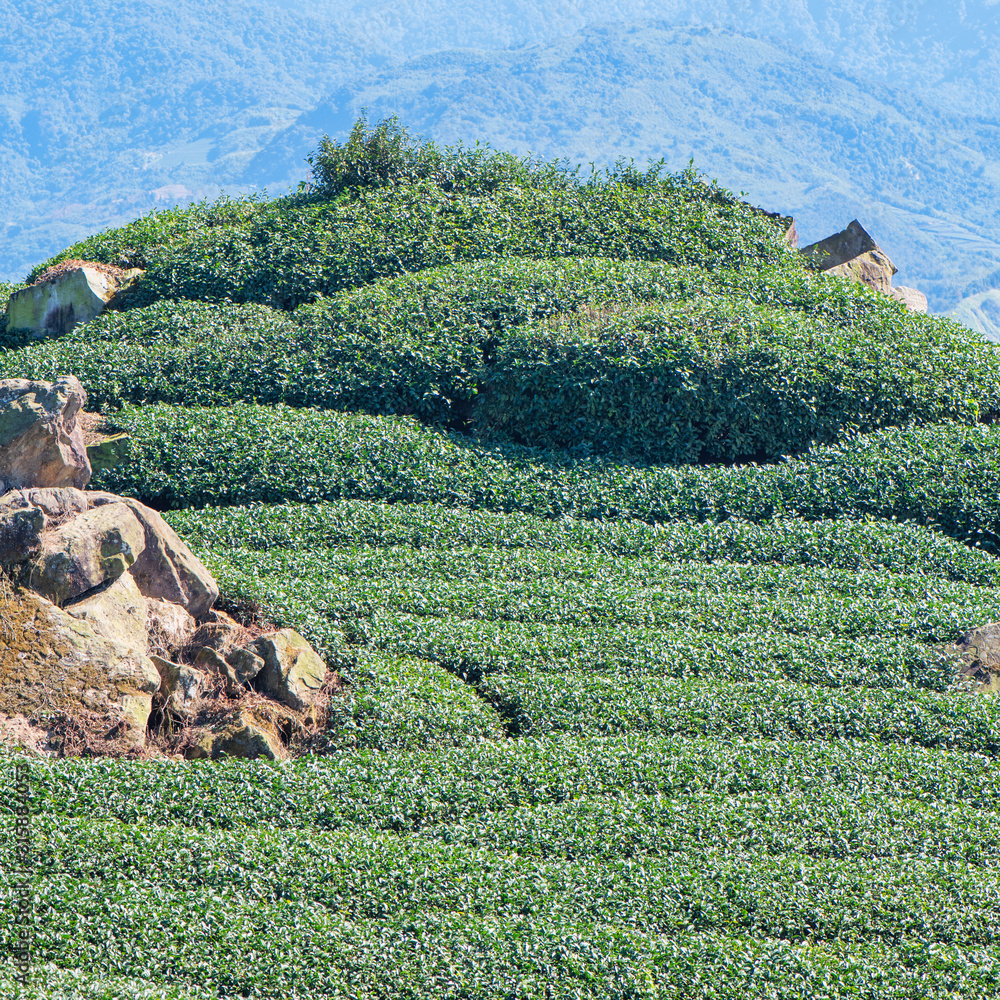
[
  {"x": 841, "y": 544},
  {"x": 945, "y": 476},
  {"x": 598, "y": 356},
  {"x": 284, "y": 252}
]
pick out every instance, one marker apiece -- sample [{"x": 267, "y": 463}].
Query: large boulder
[
  {"x": 185, "y": 689},
  {"x": 243, "y": 733},
  {"x": 978, "y": 656},
  {"x": 52, "y": 661},
  {"x": 913, "y": 299},
  {"x": 167, "y": 569},
  {"x": 170, "y": 627},
  {"x": 118, "y": 613},
  {"x": 41, "y": 443},
  {"x": 70, "y": 293},
  {"x": 852, "y": 253},
  {"x": 93, "y": 548}
]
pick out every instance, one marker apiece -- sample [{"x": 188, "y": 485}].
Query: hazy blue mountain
[
  {"x": 882, "y": 110},
  {"x": 785, "y": 128},
  {"x": 981, "y": 312}
]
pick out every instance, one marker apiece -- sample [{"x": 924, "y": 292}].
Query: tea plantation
[{"x": 637, "y": 545}]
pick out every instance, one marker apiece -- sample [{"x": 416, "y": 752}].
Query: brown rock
[
  {"x": 978, "y": 655},
  {"x": 221, "y": 651},
  {"x": 212, "y": 662},
  {"x": 52, "y": 661},
  {"x": 853, "y": 254},
  {"x": 41, "y": 443},
  {"x": 118, "y": 613},
  {"x": 169, "y": 626},
  {"x": 220, "y": 635},
  {"x": 914, "y": 300},
  {"x": 91, "y": 549},
  {"x": 185, "y": 688},
  {"x": 293, "y": 672},
  {"x": 241, "y": 734},
  {"x": 167, "y": 568}
]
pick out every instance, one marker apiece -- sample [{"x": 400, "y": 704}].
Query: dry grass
[{"x": 6, "y": 608}]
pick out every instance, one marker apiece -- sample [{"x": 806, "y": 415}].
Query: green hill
[{"x": 636, "y": 544}]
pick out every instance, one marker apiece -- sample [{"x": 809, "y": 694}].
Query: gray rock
[
  {"x": 20, "y": 533},
  {"x": 25, "y": 514},
  {"x": 58, "y": 503},
  {"x": 293, "y": 672},
  {"x": 77, "y": 293},
  {"x": 91, "y": 549},
  {"x": 41, "y": 443}
]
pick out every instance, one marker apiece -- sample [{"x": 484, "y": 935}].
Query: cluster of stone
[{"x": 110, "y": 615}]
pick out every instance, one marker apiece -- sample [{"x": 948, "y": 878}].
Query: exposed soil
[
  {"x": 108, "y": 270},
  {"x": 21, "y": 733}
]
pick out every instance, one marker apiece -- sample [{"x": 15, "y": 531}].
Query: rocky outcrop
[
  {"x": 166, "y": 568},
  {"x": 914, "y": 300},
  {"x": 52, "y": 661},
  {"x": 93, "y": 548},
  {"x": 292, "y": 671},
  {"x": 70, "y": 293},
  {"x": 978, "y": 656},
  {"x": 41, "y": 442},
  {"x": 107, "y": 616},
  {"x": 852, "y": 253},
  {"x": 241, "y": 734}
]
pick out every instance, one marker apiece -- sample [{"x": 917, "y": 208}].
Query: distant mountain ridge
[
  {"x": 823, "y": 146},
  {"x": 884, "y": 111}
]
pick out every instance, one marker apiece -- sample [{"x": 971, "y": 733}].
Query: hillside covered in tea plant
[{"x": 637, "y": 546}]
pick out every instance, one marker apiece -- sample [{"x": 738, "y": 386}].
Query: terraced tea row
[
  {"x": 465, "y": 785},
  {"x": 598, "y": 356},
  {"x": 841, "y": 544},
  {"x": 944, "y": 475}
]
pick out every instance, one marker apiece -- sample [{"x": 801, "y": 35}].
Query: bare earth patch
[{"x": 108, "y": 270}]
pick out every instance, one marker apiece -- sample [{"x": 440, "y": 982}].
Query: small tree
[{"x": 387, "y": 155}]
